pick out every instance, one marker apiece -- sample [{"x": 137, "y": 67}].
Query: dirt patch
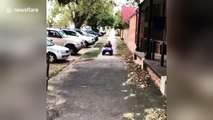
[
  {"x": 55, "y": 68},
  {"x": 136, "y": 76}
]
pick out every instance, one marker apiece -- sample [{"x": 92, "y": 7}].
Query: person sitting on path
[{"x": 108, "y": 44}]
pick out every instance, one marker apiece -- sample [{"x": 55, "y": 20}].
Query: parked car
[
  {"x": 89, "y": 31},
  {"x": 58, "y": 37},
  {"x": 88, "y": 40},
  {"x": 103, "y": 32},
  {"x": 83, "y": 42},
  {"x": 100, "y": 33},
  {"x": 86, "y": 34},
  {"x": 56, "y": 52}
]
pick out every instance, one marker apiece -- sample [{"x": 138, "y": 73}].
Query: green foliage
[
  {"x": 118, "y": 24},
  {"x": 121, "y": 46},
  {"x": 92, "y": 54},
  {"x": 65, "y": 18},
  {"x": 102, "y": 15},
  {"x": 92, "y": 12},
  {"x": 54, "y": 12},
  {"x": 137, "y": 1},
  {"x": 59, "y": 16},
  {"x": 64, "y": 2}
]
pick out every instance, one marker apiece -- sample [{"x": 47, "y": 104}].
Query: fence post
[
  {"x": 47, "y": 70},
  {"x": 153, "y": 49},
  {"x": 162, "y": 54}
]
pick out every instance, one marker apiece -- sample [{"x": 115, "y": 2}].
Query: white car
[
  {"x": 88, "y": 40},
  {"x": 83, "y": 43},
  {"x": 95, "y": 37},
  {"x": 58, "y": 37},
  {"x": 56, "y": 52}
]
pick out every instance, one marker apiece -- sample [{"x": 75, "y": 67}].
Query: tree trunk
[
  {"x": 79, "y": 20},
  {"x": 94, "y": 27},
  {"x": 78, "y": 24}
]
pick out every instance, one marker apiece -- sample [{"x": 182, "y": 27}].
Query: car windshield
[
  {"x": 49, "y": 43},
  {"x": 80, "y": 32},
  {"x": 84, "y": 32},
  {"x": 63, "y": 34}
]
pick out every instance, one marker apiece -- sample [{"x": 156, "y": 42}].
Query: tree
[
  {"x": 79, "y": 10},
  {"x": 118, "y": 24},
  {"x": 54, "y": 12},
  {"x": 102, "y": 15},
  {"x": 64, "y": 18},
  {"x": 83, "y": 10},
  {"x": 92, "y": 12}
]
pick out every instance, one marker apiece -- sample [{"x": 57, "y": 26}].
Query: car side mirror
[{"x": 51, "y": 40}]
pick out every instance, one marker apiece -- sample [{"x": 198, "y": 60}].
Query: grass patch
[
  {"x": 120, "y": 46},
  {"x": 92, "y": 54},
  {"x": 99, "y": 45},
  {"x": 96, "y": 49},
  {"x": 117, "y": 32}
]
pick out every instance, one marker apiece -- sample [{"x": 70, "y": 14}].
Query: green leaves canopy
[
  {"x": 118, "y": 24},
  {"x": 88, "y": 10}
]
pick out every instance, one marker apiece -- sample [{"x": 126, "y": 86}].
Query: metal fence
[{"x": 152, "y": 47}]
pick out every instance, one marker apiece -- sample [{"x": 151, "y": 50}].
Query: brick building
[
  {"x": 146, "y": 38},
  {"x": 151, "y": 40},
  {"x": 129, "y": 35}
]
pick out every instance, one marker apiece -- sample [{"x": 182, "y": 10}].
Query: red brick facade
[{"x": 129, "y": 35}]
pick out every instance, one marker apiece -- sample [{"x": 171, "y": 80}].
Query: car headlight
[{"x": 65, "y": 51}]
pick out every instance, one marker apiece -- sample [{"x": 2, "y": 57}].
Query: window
[
  {"x": 55, "y": 34},
  {"x": 49, "y": 43},
  {"x": 72, "y": 33}
]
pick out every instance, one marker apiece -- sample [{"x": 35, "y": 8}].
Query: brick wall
[
  {"x": 132, "y": 33},
  {"x": 129, "y": 35}
]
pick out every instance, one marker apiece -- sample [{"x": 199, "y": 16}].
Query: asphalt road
[{"x": 94, "y": 90}]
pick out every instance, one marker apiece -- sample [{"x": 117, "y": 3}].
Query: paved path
[{"x": 94, "y": 90}]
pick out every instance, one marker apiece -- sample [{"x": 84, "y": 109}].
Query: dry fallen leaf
[{"x": 128, "y": 116}]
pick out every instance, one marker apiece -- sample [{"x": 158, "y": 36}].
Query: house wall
[
  {"x": 129, "y": 35},
  {"x": 131, "y": 42},
  {"x": 127, "y": 12}
]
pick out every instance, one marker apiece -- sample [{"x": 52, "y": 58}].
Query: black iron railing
[{"x": 152, "y": 47}]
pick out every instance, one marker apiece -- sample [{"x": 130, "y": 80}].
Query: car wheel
[
  {"x": 72, "y": 49},
  {"x": 52, "y": 57},
  {"x": 103, "y": 53},
  {"x": 86, "y": 44},
  {"x": 111, "y": 53}
]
